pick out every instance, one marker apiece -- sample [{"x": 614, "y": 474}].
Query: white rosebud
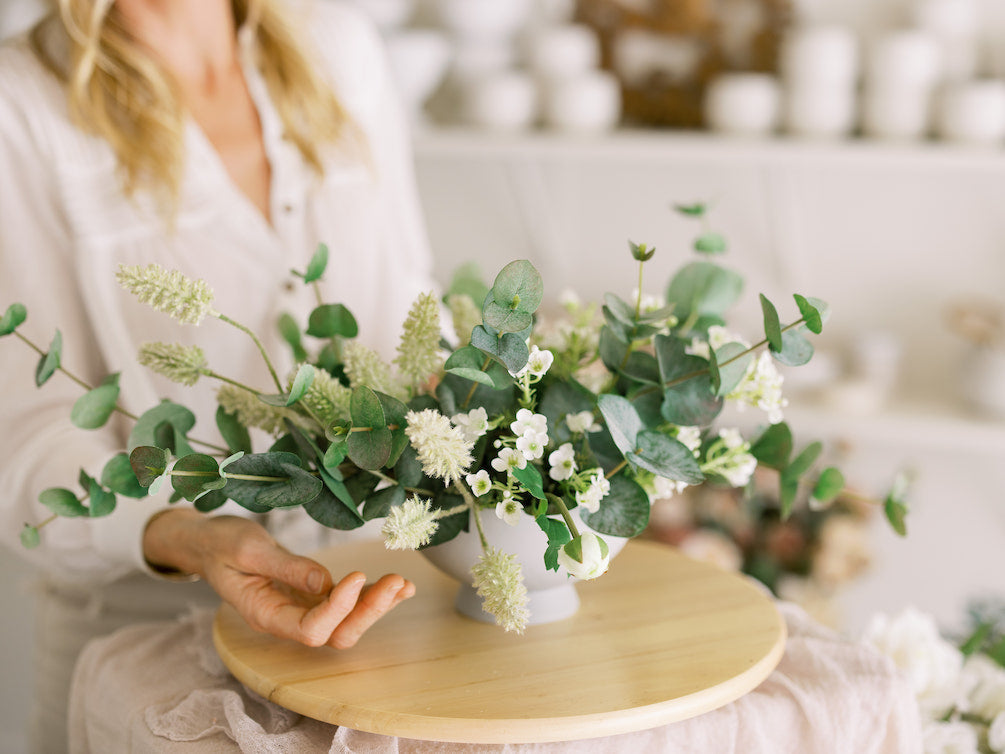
[
  {"x": 955, "y": 737},
  {"x": 532, "y": 445},
  {"x": 585, "y": 557},
  {"x": 479, "y": 483},
  {"x": 582, "y": 422},
  {"x": 509, "y": 509},
  {"x": 528, "y": 421},
  {"x": 563, "y": 462},
  {"x": 509, "y": 459},
  {"x": 988, "y": 699}
]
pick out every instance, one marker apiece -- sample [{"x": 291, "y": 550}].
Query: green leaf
[
  {"x": 558, "y": 534},
  {"x": 379, "y": 504},
  {"x": 62, "y": 502},
  {"x": 829, "y": 485},
  {"x": 329, "y": 320},
  {"x": 408, "y": 470},
  {"x": 503, "y": 318},
  {"x": 791, "y": 474},
  {"x": 467, "y": 363},
  {"x": 101, "y": 502},
  {"x": 328, "y": 509},
  {"x": 178, "y": 417},
  {"x": 726, "y": 376},
  {"x": 619, "y": 310},
  {"x": 210, "y": 501},
  {"x": 796, "y": 349},
  {"x": 300, "y": 487},
  {"x": 815, "y": 312},
  {"x": 508, "y": 347},
  {"x": 301, "y": 384},
  {"x": 118, "y": 476},
  {"x": 642, "y": 367},
  {"x": 366, "y": 409},
  {"x": 148, "y": 463},
  {"x": 290, "y": 332},
  {"x": 613, "y": 348},
  {"x": 316, "y": 267},
  {"x": 245, "y": 491},
  {"x": 772, "y": 325},
  {"x": 334, "y": 455},
  {"x": 692, "y": 402},
  {"x": 896, "y": 514},
  {"x": 802, "y": 462},
  {"x": 703, "y": 289},
  {"x": 232, "y": 431},
  {"x": 12, "y": 319},
  {"x": 560, "y": 399},
  {"x": 394, "y": 415},
  {"x": 710, "y": 243},
  {"x": 518, "y": 287},
  {"x": 624, "y": 511},
  {"x": 774, "y": 447},
  {"x": 666, "y": 457},
  {"x": 29, "y": 536},
  {"x": 370, "y": 450},
  {"x": 692, "y": 210},
  {"x": 531, "y": 479},
  {"x": 640, "y": 252},
  {"x": 93, "y": 408},
  {"x": 622, "y": 420},
  {"x": 49, "y": 362},
  {"x": 208, "y": 476}
]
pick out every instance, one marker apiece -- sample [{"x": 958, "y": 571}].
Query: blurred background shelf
[{"x": 671, "y": 147}]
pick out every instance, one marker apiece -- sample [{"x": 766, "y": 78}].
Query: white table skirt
[{"x": 160, "y": 687}]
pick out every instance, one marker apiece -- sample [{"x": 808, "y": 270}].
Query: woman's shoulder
[
  {"x": 351, "y": 52},
  {"x": 30, "y": 91}
]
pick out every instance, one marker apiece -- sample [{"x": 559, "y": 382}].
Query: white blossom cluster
[
  {"x": 962, "y": 700},
  {"x": 729, "y": 457}
]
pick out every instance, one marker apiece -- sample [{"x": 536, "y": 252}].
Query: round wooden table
[{"x": 659, "y": 638}]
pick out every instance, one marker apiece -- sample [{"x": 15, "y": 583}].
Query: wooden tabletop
[{"x": 659, "y": 638}]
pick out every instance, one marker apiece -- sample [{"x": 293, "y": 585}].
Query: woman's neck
[{"x": 195, "y": 39}]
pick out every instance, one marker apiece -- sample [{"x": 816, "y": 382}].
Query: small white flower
[
  {"x": 665, "y": 488},
  {"x": 585, "y": 557},
  {"x": 569, "y": 299},
  {"x": 582, "y": 422},
  {"x": 528, "y": 421},
  {"x": 473, "y": 424},
  {"x": 731, "y": 437},
  {"x": 591, "y": 497},
  {"x": 532, "y": 445},
  {"x": 563, "y": 462},
  {"x": 648, "y": 302},
  {"x": 954, "y": 737},
  {"x": 479, "y": 483},
  {"x": 691, "y": 437},
  {"x": 509, "y": 509},
  {"x": 988, "y": 699},
  {"x": 509, "y": 459},
  {"x": 539, "y": 361}
]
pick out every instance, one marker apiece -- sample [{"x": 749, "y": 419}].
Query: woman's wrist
[{"x": 171, "y": 543}]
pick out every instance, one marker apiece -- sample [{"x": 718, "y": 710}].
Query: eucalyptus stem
[
  {"x": 258, "y": 343},
  {"x": 638, "y": 298},
  {"x": 47, "y": 521},
  {"x": 616, "y": 469},
  {"x": 414, "y": 490},
  {"x": 244, "y": 477},
  {"x": 474, "y": 385}
]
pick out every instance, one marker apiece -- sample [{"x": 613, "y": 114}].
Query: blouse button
[
  {"x": 288, "y": 286},
  {"x": 287, "y": 208}
]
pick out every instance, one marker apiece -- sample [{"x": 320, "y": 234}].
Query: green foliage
[
  {"x": 62, "y": 502},
  {"x": 30, "y": 538},
  {"x": 665, "y": 456},
  {"x": 15, "y": 315},
  {"x": 624, "y": 512},
  {"x": 330, "y": 320},
  {"x": 319, "y": 262},
  {"x": 774, "y": 446},
  {"x": 703, "y": 289},
  {"x": 772, "y": 325},
  {"x": 558, "y": 534},
  {"x": 710, "y": 243},
  {"x": 232, "y": 431},
  {"x": 167, "y": 422},
  {"x": 50, "y": 361},
  {"x": 290, "y": 332},
  {"x": 96, "y": 406}
]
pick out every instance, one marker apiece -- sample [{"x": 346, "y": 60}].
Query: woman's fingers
[{"x": 374, "y": 602}]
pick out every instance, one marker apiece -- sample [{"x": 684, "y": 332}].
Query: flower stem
[
  {"x": 616, "y": 469},
  {"x": 474, "y": 385},
  {"x": 638, "y": 298},
  {"x": 567, "y": 516},
  {"x": 258, "y": 343},
  {"x": 473, "y": 507}
]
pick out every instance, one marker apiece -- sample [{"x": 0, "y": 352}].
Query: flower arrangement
[
  {"x": 605, "y": 411},
  {"x": 960, "y": 687}
]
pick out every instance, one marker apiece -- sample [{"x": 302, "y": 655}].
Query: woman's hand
[{"x": 276, "y": 592}]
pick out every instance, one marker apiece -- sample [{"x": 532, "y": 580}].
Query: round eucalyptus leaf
[
  {"x": 370, "y": 450},
  {"x": 29, "y": 537},
  {"x": 622, "y": 420},
  {"x": 301, "y": 384},
  {"x": 504, "y": 318},
  {"x": 62, "y": 502},
  {"x": 118, "y": 476},
  {"x": 366, "y": 409},
  {"x": 299, "y": 488},
  {"x": 728, "y": 367},
  {"x": 796, "y": 349},
  {"x": 101, "y": 502},
  {"x": 194, "y": 474},
  {"x": 148, "y": 463},
  {"x": 50, "y": 361},
  {"x": 518, "y": 286},
  {"x": 624, "y": 511},
  {"x": 710, "y": 243},
  {"x": 666, "y": 457},
  {"x": 12, "y": 318},
  {"x": 319, "y": 262},
  {"x": 93, "y": 408},
  {"x": 329, "y": 320}
]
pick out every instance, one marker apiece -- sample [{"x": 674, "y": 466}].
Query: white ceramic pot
[
  {"x": 743, "y": 104},
  {"x": 387, "y": 14},
  {"x": 819, "y": 112},
  {"x": 507, "y": 101},
  {"x": 587, "y": 103},
  {"x": 909, "y": 59},
  {"x": 418, "y": 59},
  {"x": 557, "y": 52},
  {"x": 552, "y": 594},
  {"x": 897, "y": 113},
  {"x": 983, "y": 382},
  {"x": 973, "y": 113},
  {"x": 484, "y": 19},
  {"x": 820, "y": 57}
]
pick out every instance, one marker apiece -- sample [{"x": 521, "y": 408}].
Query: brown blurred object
[{"x": 671, "y": 101}]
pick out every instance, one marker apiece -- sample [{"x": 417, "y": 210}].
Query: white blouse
[{"x": 65, "y": 226}]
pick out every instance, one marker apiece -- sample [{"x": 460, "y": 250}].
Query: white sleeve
[{"x": 39, "y": 446}]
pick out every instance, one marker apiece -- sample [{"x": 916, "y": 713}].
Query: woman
[{"x": 216, "y": 138}]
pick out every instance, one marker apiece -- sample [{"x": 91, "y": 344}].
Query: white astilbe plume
[
  {"x": 182, "y": 298},
  {"x": 181, "y": 364},
  {"x": 442, "y": 448},
  {"x": 363, "y": 366},
  {"x": 410, "y": 525},
  {"x": 418, "y": 349},
  {"x": 499, "y": 581},
  {"x": 252, "y": 412},
  {"x": 327, "y": 398},
  {"x": 465, "y": 316}
]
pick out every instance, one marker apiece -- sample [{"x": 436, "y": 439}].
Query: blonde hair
[{"x": 117, "y": 91}]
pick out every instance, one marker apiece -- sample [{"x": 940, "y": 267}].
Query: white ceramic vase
[{"x": 552, "y": 594}]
